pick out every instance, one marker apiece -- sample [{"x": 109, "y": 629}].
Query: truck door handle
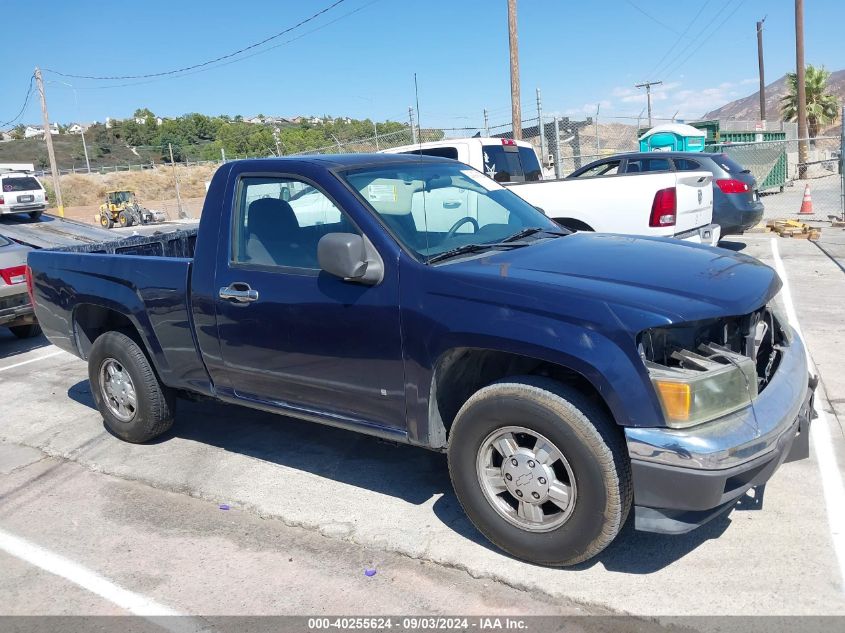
[{"x": 239, "y": 292}]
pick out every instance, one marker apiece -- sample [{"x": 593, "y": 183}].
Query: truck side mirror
[{"x": 350, "y": 257}]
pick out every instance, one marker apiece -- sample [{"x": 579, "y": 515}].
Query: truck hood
[{"x": 669, "y": 279}]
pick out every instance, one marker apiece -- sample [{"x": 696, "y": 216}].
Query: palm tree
[{"x": 822, "y": 107}]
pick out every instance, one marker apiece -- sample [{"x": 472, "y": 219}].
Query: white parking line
[
  {"x": 31, "y": 360},
  {"x": 834, "y": 489},
  {"x": 135, "y": 603}
]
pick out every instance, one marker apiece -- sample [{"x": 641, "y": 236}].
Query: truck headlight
[{"x": 705, "y": 388}]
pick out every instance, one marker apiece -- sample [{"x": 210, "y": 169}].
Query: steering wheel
[{"x": 451, "y": 232}]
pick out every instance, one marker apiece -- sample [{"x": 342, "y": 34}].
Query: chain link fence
[
  {"x": 401, "y": 138},
  {"x": 790, "y": 186},
  {"x": 564, "y": 144}
]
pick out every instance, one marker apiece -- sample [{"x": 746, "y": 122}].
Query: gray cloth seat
[{"x": 274, "y": 235}]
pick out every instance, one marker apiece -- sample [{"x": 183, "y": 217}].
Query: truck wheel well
[
  {"x": 573, "y": 224},
  {"x": 92, "y": 321},
  {"x": 463, "y": 371}
]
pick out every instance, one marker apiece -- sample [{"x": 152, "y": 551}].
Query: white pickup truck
[{"x": 658, "y": 203}]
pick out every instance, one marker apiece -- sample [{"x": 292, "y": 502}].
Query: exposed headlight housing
[{"x": 705, "y": 388}]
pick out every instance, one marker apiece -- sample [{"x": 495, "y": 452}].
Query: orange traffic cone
[{"x": 807, "y": 202}]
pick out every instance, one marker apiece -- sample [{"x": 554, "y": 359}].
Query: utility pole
[
  {"x": 57, "y": 187},
  {"x": 486, "y": 124},
  {"x": 413, "y": 125},
  {"x": 598, "y": 147},
  {"x": 85, "y": 150},
  {"x": 647, "y": 85},
  {"x": 803, "y": 146},
  {"x": 375, "y": 129},
  {"x": 81, "y": 131},
  {"x": 277, "y": 141},
  {"x": 762, "y": 72},
  {"x": 182, "y": 213},
  {"x": 513, "y": 40},
  {"x": 556, "y": 149},
  {"x": 541, "y": 131},
  {"x": 842, "y": 165},
  {"x": 222, "y": 155}
]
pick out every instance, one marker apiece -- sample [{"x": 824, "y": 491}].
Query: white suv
[{"x": 22, "y": 193}]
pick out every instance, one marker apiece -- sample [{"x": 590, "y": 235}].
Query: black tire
[
  {"x": 123, "y": 219},
  {"x": 106, "y": 222},
  {"x": 35, "y": 215},
  {"x": 589, "y": 440},
  {"x": 26, "y": 331},
  {"x": 155, "y": 402}
]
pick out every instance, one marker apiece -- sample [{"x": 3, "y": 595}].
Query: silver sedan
[{"x": 15, "y": 307}]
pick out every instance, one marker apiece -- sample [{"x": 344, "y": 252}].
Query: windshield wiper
[
  {"x": 531, "y": 231},
  {"x": 470, "y": 248}
]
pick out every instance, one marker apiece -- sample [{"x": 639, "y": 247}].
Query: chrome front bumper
[{"x": 737, "y": 438}]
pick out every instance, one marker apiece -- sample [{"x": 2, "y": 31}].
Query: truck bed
[
  {"x": 146, "y": 278},
  {"x": 50, "y": 231},
  {"x": 179, "y": 243}
]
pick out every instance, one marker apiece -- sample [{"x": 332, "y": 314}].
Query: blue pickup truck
[{"x": 570, "y": 377}]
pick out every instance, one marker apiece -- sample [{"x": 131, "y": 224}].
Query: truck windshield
[{"x": 432, "y": 208}]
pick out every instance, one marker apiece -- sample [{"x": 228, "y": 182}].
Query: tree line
[{"x": 196, "y": 136}]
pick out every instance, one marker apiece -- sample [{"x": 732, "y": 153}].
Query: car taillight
[
  {"x": 29, "y": 287},
  {"x": 508, "y": 141},
  {"x": 732, "y": 186},
  {"x": 2, "y": 200},
  {"x": 13, "y": 275},
  {"x": 664, "y": 209}
]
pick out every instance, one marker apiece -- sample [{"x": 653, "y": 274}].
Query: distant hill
[
  {"x": 69, "y": 153},
  {"x": 748, "y": 108}
]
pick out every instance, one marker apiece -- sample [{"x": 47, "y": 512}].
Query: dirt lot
[{"x": 90, "y": 213}]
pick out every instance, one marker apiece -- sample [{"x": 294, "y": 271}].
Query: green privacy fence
[{"x": 765, "y": 158}]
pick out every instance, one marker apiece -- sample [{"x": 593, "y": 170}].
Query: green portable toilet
[{"x": 673, "y": 137}]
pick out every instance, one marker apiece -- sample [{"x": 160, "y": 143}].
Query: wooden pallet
[{"x": 794, "y": 229}]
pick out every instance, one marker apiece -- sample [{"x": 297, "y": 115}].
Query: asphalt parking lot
[{"x": 311, "y": 508}]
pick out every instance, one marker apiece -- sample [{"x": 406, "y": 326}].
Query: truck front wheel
[
  {"x": 134, "y": 404},
  {"x": 541, "y": 470}
]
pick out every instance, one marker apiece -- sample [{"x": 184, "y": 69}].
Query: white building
[{"x": 31, "y": 131}]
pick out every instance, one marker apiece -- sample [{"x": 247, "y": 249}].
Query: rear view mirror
[{"x": 350, "y": 257}]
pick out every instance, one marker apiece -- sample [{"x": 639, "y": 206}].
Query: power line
[
  {"x": 680, "y": 37},
  {"x": 674, "y": 68},
  {"x": 694, "y": 40},
  {"x": 23, "y": 107},
  {"x": 205, "y": 63},
  {"x": 208, "y": 68},
  {"x": 651, "y": 17}
]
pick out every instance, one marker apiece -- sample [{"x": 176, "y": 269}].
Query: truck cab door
[{"x": 293, "y": 337}]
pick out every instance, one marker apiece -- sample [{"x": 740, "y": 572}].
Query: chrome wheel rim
[
  {"x": 118, "y": 390},
  {"x": 526, "y": 479}
]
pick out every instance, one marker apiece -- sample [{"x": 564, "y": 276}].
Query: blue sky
[{"x": 361, "y": 58}]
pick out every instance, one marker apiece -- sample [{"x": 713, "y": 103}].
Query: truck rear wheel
[
  {"x": 541, "y": 470},
  {"x": 134, "y": 404}
]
